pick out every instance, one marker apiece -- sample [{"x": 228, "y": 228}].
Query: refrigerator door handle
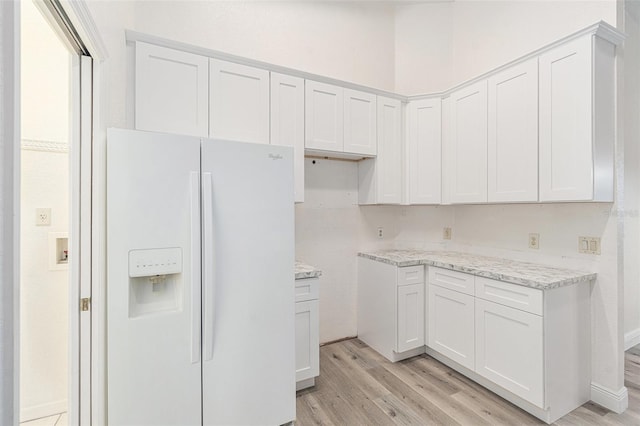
[
  {"x": 196, "y": 287},
  {"x": 208, "y": 279}
]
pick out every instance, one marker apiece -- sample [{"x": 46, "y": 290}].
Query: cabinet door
[
  {"x": 424, "y": 151},
  {"x": 513, "y": 134},
  {"x": 451, "y": 325},
  {"x": 239, "y": 102},
  {"x": 171, "y": 91},
  {"x": 410, "y": 317},
  {"x": 359, "y": 122},
  {"x": 389, "y": 160},
  {"x": 509, "y": 349},
  {"x": 468, "y": 144},
  {"x": 287, "y": 122},
  {"x": 307, "y": 340},
  {"x": 566, "y": 162},
  {"x": 324, "y": 117}
]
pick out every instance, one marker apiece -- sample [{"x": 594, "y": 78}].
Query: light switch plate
[
  {"x": 534, "y": 241},
  {"x": 589, "y": 245},
  {"x": 446, "y": 233}
]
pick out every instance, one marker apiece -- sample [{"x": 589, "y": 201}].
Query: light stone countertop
[
  {"x": 306, "y": 271},
  {"x": 513, "y": 271}
]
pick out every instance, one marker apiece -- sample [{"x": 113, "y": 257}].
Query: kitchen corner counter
[
  {"x": 516, "y": 272},
  {"x": 302, "y": 271}
]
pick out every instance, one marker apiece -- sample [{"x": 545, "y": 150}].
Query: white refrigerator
[{"x": 200, "y": 285}]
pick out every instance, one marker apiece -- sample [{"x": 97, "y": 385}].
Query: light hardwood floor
[{"x": 357, "y": 386}]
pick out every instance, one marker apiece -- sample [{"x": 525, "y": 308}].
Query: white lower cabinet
[
  {"x": 451, "y": 324},
  {"x": 391, "y": 308},
  {"x": 530, "y": 346},
  {"x": 410, "y": 317},
  {"x": 509, "y": 349},
  {"x": 307, "y": 333}
]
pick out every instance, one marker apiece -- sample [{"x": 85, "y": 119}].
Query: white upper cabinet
[
  {"x": 324, "y": 117},
  {"x": 239, "y": 102},
  {"x": 359, "y": 122},
  {"x": 513, "y": 134},
  {"x": 577, "y": 121},
  {"x": 423, "y": 151},
  {"x": 381, "y": 177},
  {"x": 467, "y": 141},
  {"x": 287, "y": 122},
  {"x": 171, "y": 92}
]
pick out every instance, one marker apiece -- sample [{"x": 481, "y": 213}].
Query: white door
[
  {"x": 423, "y": 155},
  {"x": 324, "y": 117},
  {"x": 153, "y": 218},
  {"x": 468, "y": 144},
  {"x": 307, "y": 340},
  {"x": 171, "y": 91},
  {"x": 359, "y": 122},
  {"x": 513, "y": 134},
  {"x": 389, "y": 165},
  {"x": 410, "y": 310},
  {"x": 287, "y": 122},
  {"x": 248, "y": 308},
  {"x": 566, "y": 157},
  {"x": 238, "y": 102},
  {"x": 451, "y": 325},
  {"x": 509, "y": 349}
]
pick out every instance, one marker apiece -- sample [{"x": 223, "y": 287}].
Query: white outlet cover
[{"x": 43, "y": 217}]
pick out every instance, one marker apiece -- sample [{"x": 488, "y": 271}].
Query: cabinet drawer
[
  {"x": 411, "y": 275},
  {"x": 516, "y": 296},
  {"x": 307, "y": 289},
  {"x": 452, "y": 280}
]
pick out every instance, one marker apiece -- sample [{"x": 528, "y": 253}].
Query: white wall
[
  {"x": 441, "y": 45},
  {"x": 44, "y": 304}
]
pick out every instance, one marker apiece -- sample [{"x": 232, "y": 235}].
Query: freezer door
[
  {"x": 153, "y": 279},
  {"x": 248, "y": 284}
]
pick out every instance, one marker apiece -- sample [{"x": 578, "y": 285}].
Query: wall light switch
[
  {"x": 534, "y": 241},
  {"x": 589, "y": 245},
  {"x": 446, "y": 233}
]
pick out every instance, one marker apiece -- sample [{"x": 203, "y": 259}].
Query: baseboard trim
[
  {"x": 631, "y": 339},
  {"x": 616, "y": 401},
  {"x": 43, "y": 410}
]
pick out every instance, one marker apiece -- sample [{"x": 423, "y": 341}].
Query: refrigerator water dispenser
[{"x": 155, "y": 281}]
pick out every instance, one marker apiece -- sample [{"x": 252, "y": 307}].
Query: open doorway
[
  {"x": 54, "y": 238},
  {"x": 44, "y": 234}
]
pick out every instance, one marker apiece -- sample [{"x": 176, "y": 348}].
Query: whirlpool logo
[{"x": 275, "y": 156}]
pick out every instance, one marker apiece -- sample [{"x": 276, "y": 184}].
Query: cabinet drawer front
[
  {"x": 307, "y": 289},
  {"x": 453, "y": 280},
  {"x": 513, "y": 295},
  {"x": 411, "y": 275}
]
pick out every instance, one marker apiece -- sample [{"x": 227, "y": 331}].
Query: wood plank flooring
[{"x": 357, "y": 386}]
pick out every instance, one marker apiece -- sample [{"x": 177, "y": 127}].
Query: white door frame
[{"x": 89, "y": 111}]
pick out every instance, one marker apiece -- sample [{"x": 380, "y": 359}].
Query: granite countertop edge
[
  {"x": 303, "y": 271},
  {"x": 487, "y": 272}
]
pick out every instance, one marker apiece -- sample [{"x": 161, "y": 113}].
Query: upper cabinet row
[
  {"x": 541, "y": 129},
  {"x": 181, "y": 92}
]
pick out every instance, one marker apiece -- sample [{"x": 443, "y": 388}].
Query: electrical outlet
[
  {"x": 589, "y": 245},
  {"x": 43, "y": 217},
  {"x": 534, "y": 241},
  {"x": 380, "y": 233},
  {"x": 446, "y": 233}
]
